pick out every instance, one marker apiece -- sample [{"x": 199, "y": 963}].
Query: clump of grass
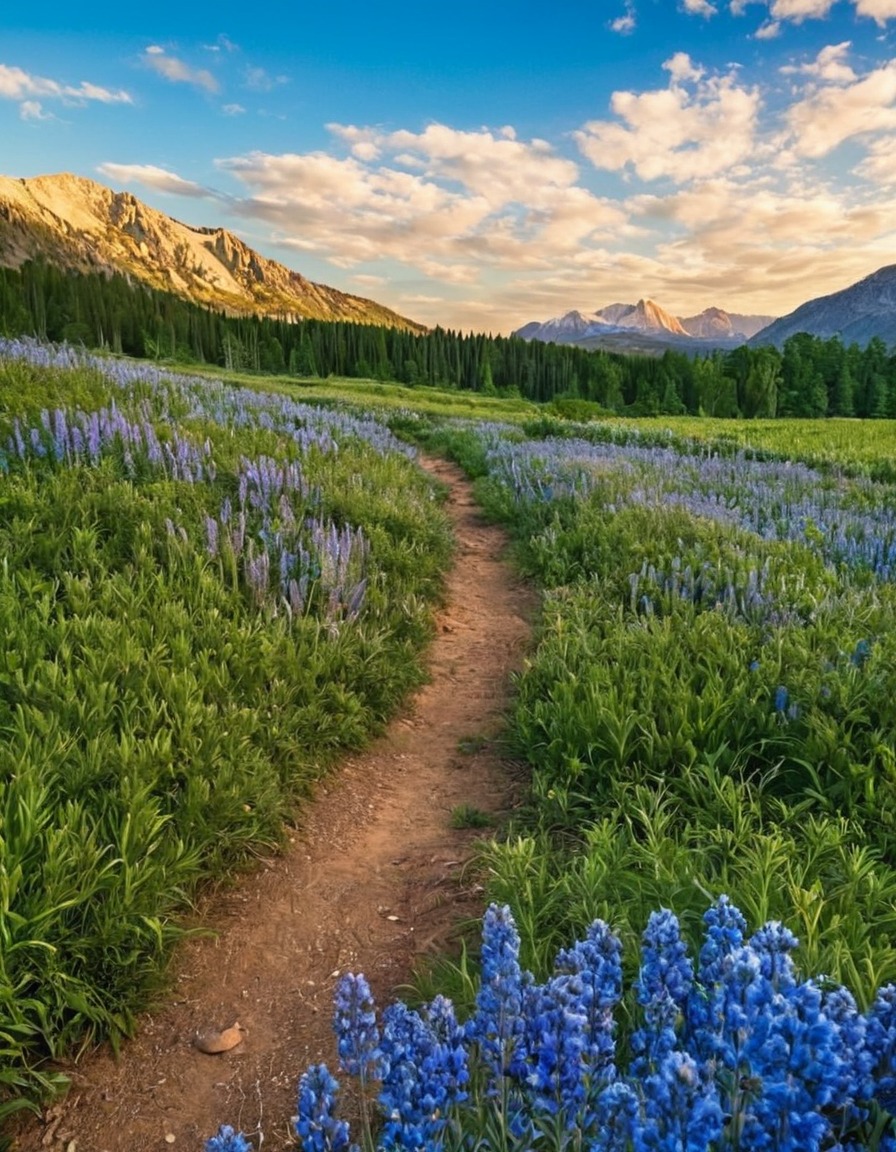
[
  {"x": 470, "y": 745},
  {"x": 469, "y": 816}
]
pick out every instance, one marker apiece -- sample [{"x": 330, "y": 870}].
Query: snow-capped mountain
[{"x": 617, "y": 324}]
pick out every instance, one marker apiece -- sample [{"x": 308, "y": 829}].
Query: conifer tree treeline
[{"x": 811, "y": 377}]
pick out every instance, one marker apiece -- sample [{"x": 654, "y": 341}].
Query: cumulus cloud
[
  {"x": 696, "y": 127},
  {"x": 829, "y": 65},
  {"x": 837, "y": 111},
  {"x": 879, "y": 165},
  {"x": 158, "y": 179},
  {"x": 798, "y": 11},
  {"x": 17, "y": 84},
  {"x": 626, "y": 23},
  {"x": 178, "y": 71},
  {"x": 699, "y": 8},
  {"x": 33, "y": 110},
  {"x": 445, "y": 202},
  {"x": 878, "y": 10}
]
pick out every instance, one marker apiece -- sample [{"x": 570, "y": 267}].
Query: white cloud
[
  {"x": 680, "y": 132},
  {"x": 829, "y": 65},
  {"x": 17, "y": 84},
  {"x": 468, "y": 201},
  {"x": 159, "y": 179},
  {"x": 626, "y": 23},
  {"x": 177, "y": 71},
  {"x": 699, "y": 8},
  {"x": 878, "y": 10},
  {"x": 835, "y": 112},
  {"x": 222, "y": 44},
  {"x": 232, "y": 109},
  {"x": 800, "y": 10},
  {"x": 879, "y": 165},
  {"x": 33, "y": 110},
  {"x": 258, "y": 80}
]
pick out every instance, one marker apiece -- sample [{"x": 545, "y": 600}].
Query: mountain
[
  {"x": 79, "y": 225},
  {"x": 714, "y": 322},
  {"x": 645, "y": 327},
  {"x": 855, "y": 314}
]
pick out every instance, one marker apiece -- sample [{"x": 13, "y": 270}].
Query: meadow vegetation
[
  {"x": 208, "y": 591},
  {"x": 709, "y": 706},
  {"x": 205, "y": 593}
]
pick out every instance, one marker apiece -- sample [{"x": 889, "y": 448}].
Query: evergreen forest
[{"x": 811, "y": 377}]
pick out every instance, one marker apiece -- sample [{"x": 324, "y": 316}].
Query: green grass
[
  {"x": 158, "y": 720},
  {"x": 662, "y": 773},
  {"x": 469, "y": 816}
]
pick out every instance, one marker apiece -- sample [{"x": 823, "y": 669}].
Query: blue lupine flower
[
  {"x": 424, "y": 1070},
  {"x": 316, "y": 1123},
  {"x": 617, "y": 1117},
  {"x": 861, "y": 653},
  {"x": 782, "y": 696},
  {"x": 663, "y": 987},
  {"x": 355, "y": 1025},
  {"x": 496, "y": 1026},
  {"x": 725, "y": 928},
  {"x": 682, "y": 1112},
  {"x": 773, "y": 944},
  {"x": 550, "y": 1059},
  {"x": 597, "y": 962},
  {"x": 881, "y": 1042},
  {"x": 227, "y": 1140}
]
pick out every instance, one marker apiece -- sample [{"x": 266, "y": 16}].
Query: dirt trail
[{"x": 373, "y": 880}]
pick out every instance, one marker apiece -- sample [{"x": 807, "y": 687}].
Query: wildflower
[
  {"x": 682, "y": 1112},
  {"x": 316, "y": 1124},
  {"x": 617, "y": 1115},
  {"x": 663, "y": 987},
  {"x": 782, "y": 696},
  {"x": 423, "y": 1073},
  {"x": 496, "y": 1025},
  {"x": 354, "y": 1023},
  {"x": 226, "y": 1140},
  {"x": 550, "y": 1057},
  {"x": 597, "y": 963}
]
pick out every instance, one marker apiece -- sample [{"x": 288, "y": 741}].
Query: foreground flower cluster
[{"x": 735, "y": 1052}]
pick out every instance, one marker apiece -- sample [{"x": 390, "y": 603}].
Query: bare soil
[{"x": 373, "y": 882}]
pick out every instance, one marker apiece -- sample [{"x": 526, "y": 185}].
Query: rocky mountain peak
[{"x": 79, "y": 224}]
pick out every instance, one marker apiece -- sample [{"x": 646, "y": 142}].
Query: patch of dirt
[{"x": 373, "y": 882}]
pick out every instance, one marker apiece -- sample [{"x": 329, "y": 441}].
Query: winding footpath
[{"x": 373, "y": 881}]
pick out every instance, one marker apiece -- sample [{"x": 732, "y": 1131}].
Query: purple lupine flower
[{"x": 211, "y": 536}]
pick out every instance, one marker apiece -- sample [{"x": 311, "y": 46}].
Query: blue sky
[{"x": 480, "y": 166}]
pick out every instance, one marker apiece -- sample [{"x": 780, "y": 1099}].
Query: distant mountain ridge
[
  {"x": 856, "y": 314},
  {"x": 80, "y": 225},
  {"x": 618, "y": 325}
]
